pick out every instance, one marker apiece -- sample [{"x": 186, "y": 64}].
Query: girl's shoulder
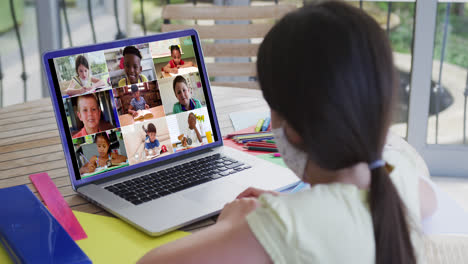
[{"x": 294, "y": 227}]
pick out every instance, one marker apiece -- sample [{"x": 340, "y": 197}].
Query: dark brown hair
[
  {"x": 134, "y": 88},
  {"x": 81, "y": 60},
  {"x": 151, "y": 128},
  {"x": 105, "y": 137},
  {"x": 174, "y": 47},
  {"x": 339, "y": 95},
  {"x": 132, "y": 50},
  {"x": 178, "y": 79}
]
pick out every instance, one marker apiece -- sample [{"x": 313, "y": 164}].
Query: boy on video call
[{"x": 137, "y": 102}]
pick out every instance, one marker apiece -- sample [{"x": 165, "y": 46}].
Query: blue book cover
[{"x": 30, "y": 233}]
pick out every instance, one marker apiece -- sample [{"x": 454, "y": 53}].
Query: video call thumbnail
[{"x": 100, "y": 152}]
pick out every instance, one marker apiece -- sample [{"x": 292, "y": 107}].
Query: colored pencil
[
  {"x": 252, "y": 140},
  {"x": 262, "y": 149},
  {"x": 260, "y": 135},
  {"x": 244, "y": 134},
  {"x": 266, "y": 124},
  {"x": 258, "y": 128},
  {"x": 260, "y": 144}
]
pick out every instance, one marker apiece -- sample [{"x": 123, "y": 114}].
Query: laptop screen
[{"x": 132, "y": 105}]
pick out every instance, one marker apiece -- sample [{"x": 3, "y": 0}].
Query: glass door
[{"x": 438, "y": 101}]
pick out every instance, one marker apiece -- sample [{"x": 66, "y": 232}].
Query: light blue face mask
[{"x": 295, "y": 159}]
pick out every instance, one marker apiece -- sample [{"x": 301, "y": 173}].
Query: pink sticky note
[{"x": 57, "y": 205}]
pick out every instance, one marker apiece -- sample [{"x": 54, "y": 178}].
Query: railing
[
  {"x": 24, "y": 76},
  {"x": 437, "y": 90}
]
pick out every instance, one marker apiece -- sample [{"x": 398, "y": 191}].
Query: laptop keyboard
[{"x": 158, "y": 184}]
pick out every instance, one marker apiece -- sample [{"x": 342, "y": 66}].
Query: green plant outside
[
  {"x": 6, "y": 21},
  {"x": 456, "y": 50}
]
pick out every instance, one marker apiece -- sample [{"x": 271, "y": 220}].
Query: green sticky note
[{"x": 272, "y": 159}]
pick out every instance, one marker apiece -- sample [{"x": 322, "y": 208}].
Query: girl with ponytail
[{"x": 330, "y": 118}]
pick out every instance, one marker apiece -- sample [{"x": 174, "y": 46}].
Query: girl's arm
[
  {"x": 72, "y": 91},
  {"x": 90, "y": 166},
  {"x": 168, "y": 69},
  {"x": 116, "y": 158},
  {"x": 131, "y": 111},
  {"x": 97, "y": 82},
  {"x": 199, "y": 137},
  {"x": 71, "y": 85},
  {"x": 230, "y": 240},
  {"x": 186, "y": 64}
]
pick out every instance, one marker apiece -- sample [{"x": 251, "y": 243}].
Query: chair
[{"x": 264, "y": 16}]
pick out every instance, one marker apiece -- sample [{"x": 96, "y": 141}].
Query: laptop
[{"x": 140, "y": 134}]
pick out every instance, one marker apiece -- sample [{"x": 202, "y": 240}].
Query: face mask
[{"x": 294, "y": 158}]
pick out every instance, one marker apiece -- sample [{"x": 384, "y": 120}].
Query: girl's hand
[
  {"x": 174, "y": 70},
  {"x": 237, "y": 210},
  {"x": 92, "y": 167},
  {"x": 146, "y": 106},
  {"x": 252, "y": 192}
]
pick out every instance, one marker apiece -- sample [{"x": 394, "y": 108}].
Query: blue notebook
[{"x": 30, "y": 233}]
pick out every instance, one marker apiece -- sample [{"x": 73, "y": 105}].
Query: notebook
[
  {"x": 29, "y": 232},
  {"x": 189, "y": 180}
]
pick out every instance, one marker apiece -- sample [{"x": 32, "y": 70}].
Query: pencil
[
  {"x": 260, "y": 144},
  {"x": 244, "y": 134},
  {"x": 252, "y": 140},
  {"x": 259, "y": 135},
  {"x": 262, "y": 149},
  {"x": 84, "y": 157}
]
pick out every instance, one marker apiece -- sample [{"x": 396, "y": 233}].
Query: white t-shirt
[{"x": 331, "y": 223}]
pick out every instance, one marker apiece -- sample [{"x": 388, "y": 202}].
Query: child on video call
[
  {"x": 132, "y": 66},
  {"x": 105, "y": 158},
  {"x": 90, "y": 114},
  {"x": 193, "y": 135},
  {"x": 184, "y": 95},
  {"x": 331, "y": 135},
  {"x": 151, "y": 143},
  {"x": 137, "y": 102},
  {"x": 176, "y": 63},
  {"x": 83, "y": 81}
]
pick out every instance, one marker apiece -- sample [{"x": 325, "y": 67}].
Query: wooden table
[{"x": 30, "y": 143}]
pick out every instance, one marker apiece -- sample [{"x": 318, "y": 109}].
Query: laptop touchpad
[{"x": 216, "y": 193}]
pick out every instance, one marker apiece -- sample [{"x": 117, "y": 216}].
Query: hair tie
[{"x": 376, "y": 164}]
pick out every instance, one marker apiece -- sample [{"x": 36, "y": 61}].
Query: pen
[{"x": 84, "y": 157}]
